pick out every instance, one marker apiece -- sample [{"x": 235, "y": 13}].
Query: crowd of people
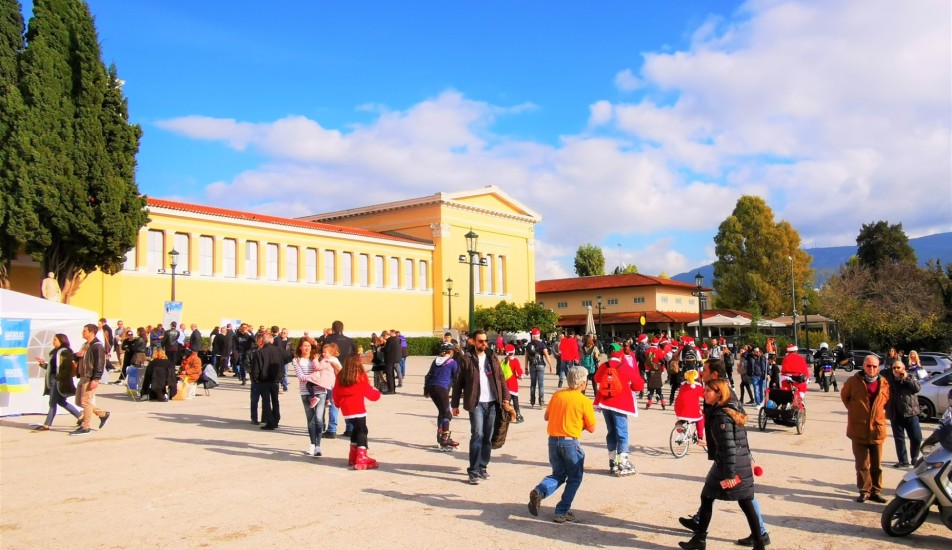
[{"x": 335, "y": 383}]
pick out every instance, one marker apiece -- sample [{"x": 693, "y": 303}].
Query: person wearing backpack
[
  {"x": 590, "y": 361},
  {"x": 617, "y": 380},
  {"x": 537, "y": 357}
]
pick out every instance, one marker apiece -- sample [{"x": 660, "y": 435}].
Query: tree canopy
[
  {"x": 625, "y": 270},
  {"x": 755, "y": 257},
  {"x": 508, "y": 317},
  {"x": 74, "y": 164},
  {"x": 880, "y": 243},
  {"x": 589, "y": 260}
]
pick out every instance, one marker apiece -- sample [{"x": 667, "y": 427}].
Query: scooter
[
  {"x": 930, "y": 482},
  {"x": 826, "y": 377}
]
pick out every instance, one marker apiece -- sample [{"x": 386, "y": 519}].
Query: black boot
[{"x": 697, "y": 542}]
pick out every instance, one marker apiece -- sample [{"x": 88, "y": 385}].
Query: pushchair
[{"x": 784, "y": 406}]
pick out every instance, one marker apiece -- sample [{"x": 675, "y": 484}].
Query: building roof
[
  {"x": 630, "y": 317},
  {"x": 609, "y": 281},
  {"x": 273, "y": 220},
  {"x": 453, "y": 200}
]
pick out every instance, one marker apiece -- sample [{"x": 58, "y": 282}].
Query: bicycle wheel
[{"x": 680, "y": 440}]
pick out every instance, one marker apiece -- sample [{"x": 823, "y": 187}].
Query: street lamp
[
  {"x": 473, "y": 260},
  {"x": 806, "y": 321},
  {"x": 173, "y": 263},
  {"x": 699, "y": 283},
  {"x": 598, "y": 299},
  {"x": 449, "y": 298},
  {"x": 793, "y": 300}
]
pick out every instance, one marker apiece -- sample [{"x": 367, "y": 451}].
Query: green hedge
[{"x": 423, "y": 345}]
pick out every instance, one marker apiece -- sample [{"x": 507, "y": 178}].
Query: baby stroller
[{"x": 784, "y": 406}]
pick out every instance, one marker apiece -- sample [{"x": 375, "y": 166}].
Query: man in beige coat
[{"x": 865, "y": 395}]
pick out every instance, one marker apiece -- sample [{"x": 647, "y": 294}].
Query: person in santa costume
[
  {"x": 512, "y": 371},
  {"x": 617, "y": 381},
  {"x": 795, "y": 366},
  {"x": 687, "y": 406}
]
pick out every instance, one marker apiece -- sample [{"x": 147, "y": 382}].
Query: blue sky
[{"x": 634, "y": 126}]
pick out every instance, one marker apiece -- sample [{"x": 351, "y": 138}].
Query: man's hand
[
  {"x": 455, "y": 412},
  {"x": 93, "y": 384}
]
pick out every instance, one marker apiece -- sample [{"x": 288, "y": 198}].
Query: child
[
  {"x": 350, "y": 392},
  {"x": 655, "y": 372},
  {"x": 512, "y": 371},
  {"x": 325, "y": 371},
  {"x": 616, "y": 380},
  {"x": 569, "y": 412},
  {"x": 436, "y": 386},
  {"x": 687, "y": 406}
]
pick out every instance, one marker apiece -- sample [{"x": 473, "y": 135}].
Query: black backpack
[
  {"x": 535, "y": 358},
  {"x": 689, "y": 359}
]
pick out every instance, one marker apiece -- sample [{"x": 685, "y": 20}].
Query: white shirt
[{"x": 485, "y": 385}]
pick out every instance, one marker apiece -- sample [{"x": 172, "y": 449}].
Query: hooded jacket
[{"x": 729, "y": 450}]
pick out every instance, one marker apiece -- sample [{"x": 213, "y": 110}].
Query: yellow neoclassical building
[{"x": 378, "y": 267}]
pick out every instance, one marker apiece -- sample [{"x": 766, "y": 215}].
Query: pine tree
[{"x": 81, "y": 148}]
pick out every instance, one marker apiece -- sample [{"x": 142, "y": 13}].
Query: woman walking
[
  {"x": 731, "y": 477},
  {"x": 436, "y": 385},
  {"x": 58, "y": 381},
  {"x": 304, "y": 362}
]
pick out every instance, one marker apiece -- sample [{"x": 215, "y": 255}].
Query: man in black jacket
[
  {"x": 244, "y": 344},
  {"x": 345, "y": 347},
  {"x": 195, "y": 339},
  {"x": 170, "y": 343},
  {"x": 267, "y": 366},
  {"x": 392, "y": 355}
]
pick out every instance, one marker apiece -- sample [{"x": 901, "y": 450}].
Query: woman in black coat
[
  {"x": 731, "y": 476},
  {"x": 159, "y": 382},
  {"x": 59, "y": 380}
]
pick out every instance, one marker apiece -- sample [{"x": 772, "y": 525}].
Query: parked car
[
  {"x": 859, "y": 355},
  {"x": 935, "y": 363},
  {"x": 934, "y": 396}
]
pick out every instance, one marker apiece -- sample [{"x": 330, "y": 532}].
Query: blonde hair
[{"x": 913, "y": 356}]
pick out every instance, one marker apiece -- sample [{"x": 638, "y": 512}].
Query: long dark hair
[
  {"x": 352, "y": 372},
  {"x": 63, "y": 340}
]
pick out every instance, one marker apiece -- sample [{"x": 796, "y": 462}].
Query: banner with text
[{"x": 14, "y": 340}]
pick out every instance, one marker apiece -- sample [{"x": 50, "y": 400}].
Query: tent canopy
[
  {"x": 739, "y": 321},
  {"x": 18, "y": 305}
]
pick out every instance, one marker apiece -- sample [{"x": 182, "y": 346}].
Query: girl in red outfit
[{"x": 350, "y": 394}]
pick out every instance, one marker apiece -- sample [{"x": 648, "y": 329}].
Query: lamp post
[
  {"x": 793, "y": 300},
  {"x": 806, "y": 321},
  {"x": 173, "y": 263},
  {"x": 471, "y": 259},
  {"x": 449, "y": 298},
  {"x": 598, "y": 299},
  {"x": 699, "y": 283}
]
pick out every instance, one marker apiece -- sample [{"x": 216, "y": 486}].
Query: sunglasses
[{"x": 483, "y": 341}]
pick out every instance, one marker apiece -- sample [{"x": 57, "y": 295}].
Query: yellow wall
[{"x": 137, "y": 295}]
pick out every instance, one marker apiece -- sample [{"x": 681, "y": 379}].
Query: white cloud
[
  {"x": 626, "y": 81},
  {"x": 838, "y": 114}
]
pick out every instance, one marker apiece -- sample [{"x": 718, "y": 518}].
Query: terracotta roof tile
[
  {"x": 264, "y": 218},
  {"x": 607, "y": 281},
  {"x": 632, "y": 317}
]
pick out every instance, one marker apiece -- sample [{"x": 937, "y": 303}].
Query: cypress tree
[{"x": 80, "y": 147}]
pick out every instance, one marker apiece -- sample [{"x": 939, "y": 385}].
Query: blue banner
[{"x": 14, "y": 340}]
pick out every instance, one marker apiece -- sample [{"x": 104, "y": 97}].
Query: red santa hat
[
  {"x": 534, "y": 332},
  {"x": 614, "y": 361},
  {"x": 792, "y": 348},
  {"x": 510, "y": 349},
  {"x": 703, "y": 347},
  {"x": 655, "y": 341},
  {"x": 643, "y": 339}
]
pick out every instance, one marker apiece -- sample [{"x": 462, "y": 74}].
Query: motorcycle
[
  {"x": 826, "y": 377},
  {"x": 930, "y": 482},
  {"x": 847, "y": 364}
]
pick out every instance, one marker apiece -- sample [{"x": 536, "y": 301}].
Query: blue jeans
[
  {"x": 536, "y": 380},
  {"x": 563, "y": 369},
  {"x": 758, "y": 382},
  {"x": 57, "y": 399},
  {"x": 314, "y": 416},
  {"x": 255, "y": 398},
  {"x": 617, "y": 424},
  {"x": 568, "y": 465},
  {"x": 403, "y": 367},
  {"x": 482, "y": 422},
  {"x": 332, "y": 413},
  {"x": 901, "y": 427}
]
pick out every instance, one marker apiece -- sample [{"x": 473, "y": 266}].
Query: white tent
[{"x": 46, "y": 319}]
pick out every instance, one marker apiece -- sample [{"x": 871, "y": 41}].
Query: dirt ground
[{"x": 195, "y": 473}]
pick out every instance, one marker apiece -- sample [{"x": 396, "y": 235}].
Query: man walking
[
  {"x": 537, "y": 357},
  {"x": 758, "y": 371},
  {"x": 267, "y": 367},
  {"x": 481, "y": 385},
  {"x": 865, "y": 396},
  {"x": 569, "y": 354},
  {"x": 92, "y": 364}
]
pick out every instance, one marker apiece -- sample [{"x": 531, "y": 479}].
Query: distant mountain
[{"x": 827, "y": 261}]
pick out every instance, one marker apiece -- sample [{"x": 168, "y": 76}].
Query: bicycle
[{"x": 683, "y": 435}]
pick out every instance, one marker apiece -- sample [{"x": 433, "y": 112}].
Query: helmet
[
  {"x": 824, "y": 345},
  {"x": 446, "y": 347},
  {"x": 839, "y": 346}
]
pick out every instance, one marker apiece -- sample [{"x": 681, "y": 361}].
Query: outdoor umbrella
[{"x": 590, "y": 322}]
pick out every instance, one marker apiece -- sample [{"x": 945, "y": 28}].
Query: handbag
[{"x": 501, "y": 428}]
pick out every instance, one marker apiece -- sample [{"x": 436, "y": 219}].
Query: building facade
[
  {"x": 378, "y": 267},
  {"x": 663, "y": 304}
]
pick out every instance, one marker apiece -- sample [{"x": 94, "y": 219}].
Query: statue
[{"x": 51, "y": 289}]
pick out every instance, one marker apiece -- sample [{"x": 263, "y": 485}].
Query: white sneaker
[{"x": 312, "y": 450}]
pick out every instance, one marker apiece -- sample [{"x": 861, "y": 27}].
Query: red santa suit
[
  {"x": 514, "y": 372},
  {"x": 623, "y": 402},
  {"x": 687, "y": 405},
  {"x": 794, "y": 364}
]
